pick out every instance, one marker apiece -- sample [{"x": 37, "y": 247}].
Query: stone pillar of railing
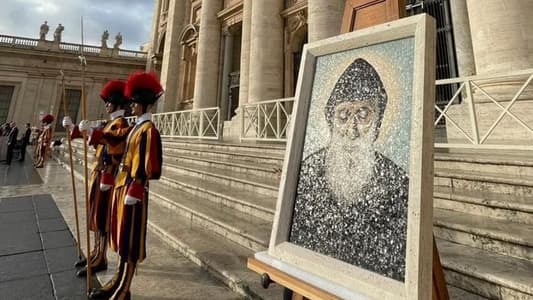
[
  {"x": 207, "y": 64},
  {"x": 502, "y": 35},
  {"x": 324, "y": 18},
  {"x": 266, "y": 51},
  {"x": 171, "y": 56},
  {"x": 245, "y": 51},
  {"x": 463, "y": 39}
]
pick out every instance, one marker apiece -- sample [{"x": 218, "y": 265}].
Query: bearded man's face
[{"x": 350, "y": 157}]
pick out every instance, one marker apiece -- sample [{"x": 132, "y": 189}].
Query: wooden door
[{"x": 359, "y": 14}]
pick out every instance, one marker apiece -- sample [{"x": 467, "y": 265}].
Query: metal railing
[
  {"x": 475, "y": 130},
  {"x": 266, "y": 120},
  {"x": 203, "y": 123}
]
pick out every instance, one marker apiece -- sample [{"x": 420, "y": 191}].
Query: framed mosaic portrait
[{"x": 355, "y": 201}]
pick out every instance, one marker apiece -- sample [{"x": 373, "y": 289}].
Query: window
[
  {"x": 72, "y": 98},
  {"x": 6, "y": 93}
]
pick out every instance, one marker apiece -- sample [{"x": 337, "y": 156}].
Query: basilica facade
[{"x": 227, "y": 53}]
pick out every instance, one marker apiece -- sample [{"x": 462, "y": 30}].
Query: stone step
[
  {"x": 490, "y": 275},
  {"x": 222, "y": 258},
  {"x": 498, "y": 236},
  {"x": 512, "y": 164},
  {"x": 248, "y": 168},
  {"x": 241, "y": 200},
  {"x": 250, "y": 183},
  {"x": 245, "y": 230},
  {"x": 240, "y": 156},
  {"x": 459, "y": 294},
  {"x": 264, "y": 149},
  {"x": 519, "y": 209},
  {"x": 483, "y": 181}
]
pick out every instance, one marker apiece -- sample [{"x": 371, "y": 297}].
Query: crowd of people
[{"x": 12, "y": 144}]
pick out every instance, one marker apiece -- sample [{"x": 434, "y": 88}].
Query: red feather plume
[
  {"x": 48, "y": 119},
  {"x": 112, "y": 86},
  {"x": 142, "y": 80}
]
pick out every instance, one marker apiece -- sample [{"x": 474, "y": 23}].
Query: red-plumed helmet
[
  {"x": 113, "y": 92},
  {"x": 48, "y": 119},
  {"x": 142, "y": 87}
]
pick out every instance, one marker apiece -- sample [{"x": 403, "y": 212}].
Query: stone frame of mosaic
[{"x": 418, "y": 261}]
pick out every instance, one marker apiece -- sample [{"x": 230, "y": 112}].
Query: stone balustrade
[{"x": 88, "y": 50}]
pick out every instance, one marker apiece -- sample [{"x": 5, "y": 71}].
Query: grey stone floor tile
[
  {"x": 20, "y": 266},
  {"x": 61, "y": 259},
  {"x": 20, "y": 243},
  {"x": 9, "y": 229},
  {"x": 38, "y": 287},
  {"x": 13, "y": 204},
  {"x": 48, "y": 225},
  {"x": 49, "y": 213},
  {"x": 69, "y": 287},
  {"x": 44, "y": 201},
  {"x": 57, "y": 239},
  {"x": 7, "y": 218}
]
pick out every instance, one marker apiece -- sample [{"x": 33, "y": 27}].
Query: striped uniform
[
  {"x": 109, "y": 152},
  {"x": 43, "y": 144},
  {"x": 142, "y": 161}
]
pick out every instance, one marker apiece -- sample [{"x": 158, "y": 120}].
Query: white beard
[{"x": 349, "y": 166}]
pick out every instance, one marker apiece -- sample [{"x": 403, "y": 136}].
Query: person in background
[
  {"x": 25, "y": 141},
  {"x": 43, "y": 143},
  {"x": 11, "y": 142}
]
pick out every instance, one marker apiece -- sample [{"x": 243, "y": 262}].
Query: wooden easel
[{"x": 302, "y": 290}]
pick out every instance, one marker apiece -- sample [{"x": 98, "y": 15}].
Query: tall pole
[
  {"x": 86, "y": 173},
  {"x": 71, "y": 166}
]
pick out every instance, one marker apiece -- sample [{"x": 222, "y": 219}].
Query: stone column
[
  {"x": 502, "y": 35},
  {"x": 171, "y": 56},
  {"x": 226, "y": 69},
  {"x": 245, "y": 51},
  {"x": 207, "y": 65},
  {"x": 266, "y": 51},
  {"x": 154, "y": 35},
  {"x": 324, "y": 18},
  {"x": 463, "y": 39}
]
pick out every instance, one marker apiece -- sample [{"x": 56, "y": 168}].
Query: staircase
[
  {"x": 483, "y": 222},
  {"x": 215, "y": 204}
]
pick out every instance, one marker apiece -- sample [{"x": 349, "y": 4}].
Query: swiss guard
[
  {"x": 109, "y": 141},
  {"x": 44, "y": 141},
  {"x": 141, "y": 162}
]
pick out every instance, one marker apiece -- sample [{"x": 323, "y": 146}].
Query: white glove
[
  {"x": 105, "y": 187},
  {"x": 130, "y": 200},
  {"x": 84, "y": 125},
  {"x": 67, "y": 122},
  {"x": 134, "y": 194}
]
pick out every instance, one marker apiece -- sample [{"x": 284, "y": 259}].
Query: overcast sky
[{"x": 132, "y": 18}]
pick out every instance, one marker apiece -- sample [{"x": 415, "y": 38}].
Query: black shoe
[
  {"x": 83, "y": 272},
  {"x": 80, "y": 263},
  {"x": 100, "y": 294}
]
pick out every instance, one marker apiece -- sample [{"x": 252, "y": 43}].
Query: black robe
[{"x": 369, "y": 233}]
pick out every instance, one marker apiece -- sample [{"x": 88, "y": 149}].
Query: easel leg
[{"x": 440, "y": 291}]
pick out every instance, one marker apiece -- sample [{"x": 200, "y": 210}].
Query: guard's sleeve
[
  {"x": 147, "y": 161},
  {"x": 116, "y": 133}
]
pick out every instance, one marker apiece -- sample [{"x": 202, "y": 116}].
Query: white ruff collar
[
  {"x": 116, "y": 114},
  {"x": 144, "y": 117}
]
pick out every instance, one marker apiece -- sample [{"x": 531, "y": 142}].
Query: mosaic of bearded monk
[{"x": 351, "y": 200}]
